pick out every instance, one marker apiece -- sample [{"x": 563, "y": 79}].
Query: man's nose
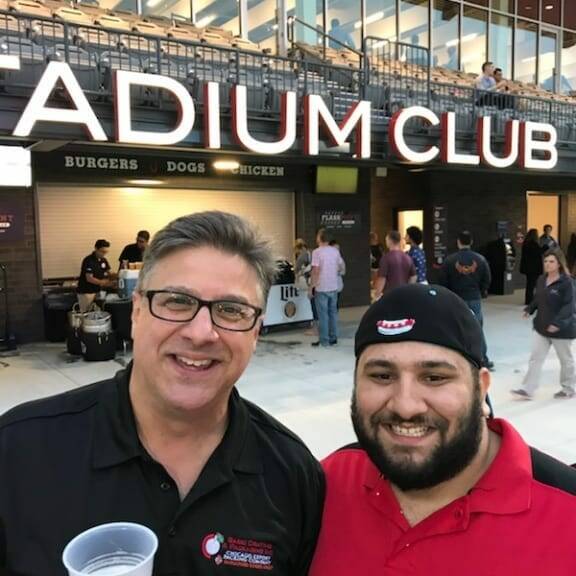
[
  {"x": 407, "y": 399},
  {"x": 200, "y": 329}
]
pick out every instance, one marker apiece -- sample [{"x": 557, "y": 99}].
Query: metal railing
[{"x": 392, "y": 75}]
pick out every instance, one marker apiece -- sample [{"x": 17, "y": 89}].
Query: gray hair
[{"x": 220, "y": 230}]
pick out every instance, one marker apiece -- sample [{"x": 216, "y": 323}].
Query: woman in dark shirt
[{"x": 554, "y": 325}]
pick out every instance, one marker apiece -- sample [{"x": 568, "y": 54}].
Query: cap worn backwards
[{"x": 422, "y": 313}]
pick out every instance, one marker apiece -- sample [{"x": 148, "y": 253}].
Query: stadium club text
[{"x": 531, "y": 145}]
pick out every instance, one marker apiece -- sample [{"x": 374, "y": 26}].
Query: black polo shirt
[
  {"x": 98, "y": 267},
  {"x": 132, "y": 253},
  {"x": 74, "y": 461}
]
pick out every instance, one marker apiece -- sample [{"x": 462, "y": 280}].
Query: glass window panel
[
  {"x": 501, "y": 43},
  {"x": 570, "y": 15},
  {"x": 218, "y": 13},
  {"x": 309, "y": 12},
  {"x": 474, "y": 34},
  {"x": 503, "y": 5},
  {"x": 550, "y": 11},
  {"x": 125, "y": 5},
  {"x": 568, "y": 79},
  {"x": 528, "y": 8},
  {"x": 525, "y": 58},
  {"x": 414, "y": 22},
  {"x": 445, "y": 35},
  {"x": 344, "y": 23},
  {"x": 167, "y": 8},
  {"x": 547, "y": 64},
  {"x": 479, "y": 2},
  {"x": 381, "y": 18},
  {"x": 263, "y": 23}
]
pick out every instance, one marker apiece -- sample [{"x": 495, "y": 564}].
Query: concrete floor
[{"x": 308, "y": 389}]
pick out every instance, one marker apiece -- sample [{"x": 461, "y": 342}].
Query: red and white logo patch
[
  {"x": 395, "y": 327},
  {"x": 238, "y": 552}
]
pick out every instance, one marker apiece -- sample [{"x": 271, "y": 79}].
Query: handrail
[{"x": 292, "y": 20}]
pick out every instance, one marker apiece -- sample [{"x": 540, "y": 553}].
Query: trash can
[{"x": 56, "y": 308}]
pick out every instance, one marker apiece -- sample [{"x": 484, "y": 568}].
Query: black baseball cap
[{"x": 422, "y": 313}]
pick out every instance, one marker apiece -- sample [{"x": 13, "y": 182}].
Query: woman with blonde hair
[{"x": 554, "y": 325}]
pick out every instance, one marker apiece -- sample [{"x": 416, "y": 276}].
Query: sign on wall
[
  {"x": 11, "y": 221},
  {"x": 530, "y": 145},
  {"x": 340, "y": 221}
]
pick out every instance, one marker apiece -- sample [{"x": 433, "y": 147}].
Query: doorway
[
  {"x": 543, "y": 209},
  {"x": 407, "y": 218}
]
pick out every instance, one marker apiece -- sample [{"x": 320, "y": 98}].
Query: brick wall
[{"x": 21, "y": 261}]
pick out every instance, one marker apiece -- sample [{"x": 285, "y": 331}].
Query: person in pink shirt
[{"x": 327, "y": 267}]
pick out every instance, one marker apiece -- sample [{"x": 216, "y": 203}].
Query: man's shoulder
[
  {"x": 279, "y": 438},
  {"x": 347, "y": 465},
  {"x": 64, "y": 404}
]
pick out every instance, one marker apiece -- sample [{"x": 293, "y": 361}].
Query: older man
[
  {"x": 432, "y": 487},
  {"x": 169, "y": 443}
]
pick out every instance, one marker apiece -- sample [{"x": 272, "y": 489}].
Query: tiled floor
[{"x": 308, "y": 388}]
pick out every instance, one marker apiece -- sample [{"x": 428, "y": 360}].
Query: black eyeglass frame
[{"x": 201, "y": 304}]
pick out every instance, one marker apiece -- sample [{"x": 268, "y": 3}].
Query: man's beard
[{"x": 448, "y": 459}]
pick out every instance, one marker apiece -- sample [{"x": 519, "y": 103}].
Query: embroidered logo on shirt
[
  {"x": 239, "y": 552},
  {"x": 394, "y": 327},
  {"x": 466, "y": 269}
]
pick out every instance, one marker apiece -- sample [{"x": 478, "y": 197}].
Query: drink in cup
[{"x": 118, "y": 549}]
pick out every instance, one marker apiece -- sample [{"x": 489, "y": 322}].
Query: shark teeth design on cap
[{"x": 394, "y": 327}]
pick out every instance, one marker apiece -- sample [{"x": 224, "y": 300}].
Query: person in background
[
  {"x": 340, "y": 38},
  {"x": 504, "y": 101},
  {"x": 571, "y": 254},
  {"x": 94, "y": 275},
  {"x": 467, "y": 274},
  {"x": 135, "y": 252},
  {"x": 326, "y": 267},
  {"x": 554, "y": 325},
  {"x": 547, "y": 241},
  {"x": 531, "y": 263},
  {"x": 486, "y": 81},
  {"x": 414, "y": 239},
  {"x": 396, "y": 267},
  {"x": 303, "y": 273},
  {"x": 376, "y": 253},
  {"x": 433, "y": 487},
  {"x": 341, "y": 271}
]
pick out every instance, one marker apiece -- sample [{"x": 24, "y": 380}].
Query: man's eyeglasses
[{"x": 181, "y": 307}]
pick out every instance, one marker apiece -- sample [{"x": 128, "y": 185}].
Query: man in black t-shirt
[
  {"x": 94, "y": 275},
  {"x": 135, "y": 252}
]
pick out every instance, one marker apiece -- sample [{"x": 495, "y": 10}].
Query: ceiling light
[
  {"x": 549, "y": 7},
  {"x": 145, "y": 182},
  {"x": 370, "y": 19},
  {"x": 206, "y": 21},
  {"x": 226, "y": 165}
]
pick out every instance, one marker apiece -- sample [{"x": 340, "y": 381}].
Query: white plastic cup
[{"x": 118, "y": 549}]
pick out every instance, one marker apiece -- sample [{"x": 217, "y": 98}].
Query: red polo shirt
[{"x": 519, "y": 520}]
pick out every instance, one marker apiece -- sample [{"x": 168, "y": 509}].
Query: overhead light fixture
[
  {"x": 145, "y": 182},
  {"x": 206, "y": 21},
  {"x": 153, "y": 3},
  {"x": 370, "y": 19},
  {"x": 226, "y": 165},
  {"x": 549, "y": 7}
]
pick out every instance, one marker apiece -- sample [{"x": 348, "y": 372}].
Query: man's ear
[
  {"x": 138, "y": 300},
  {"x": 485, "y": 383}
]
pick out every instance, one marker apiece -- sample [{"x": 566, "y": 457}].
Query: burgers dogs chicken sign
[{"x": 531, "y": 145}]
